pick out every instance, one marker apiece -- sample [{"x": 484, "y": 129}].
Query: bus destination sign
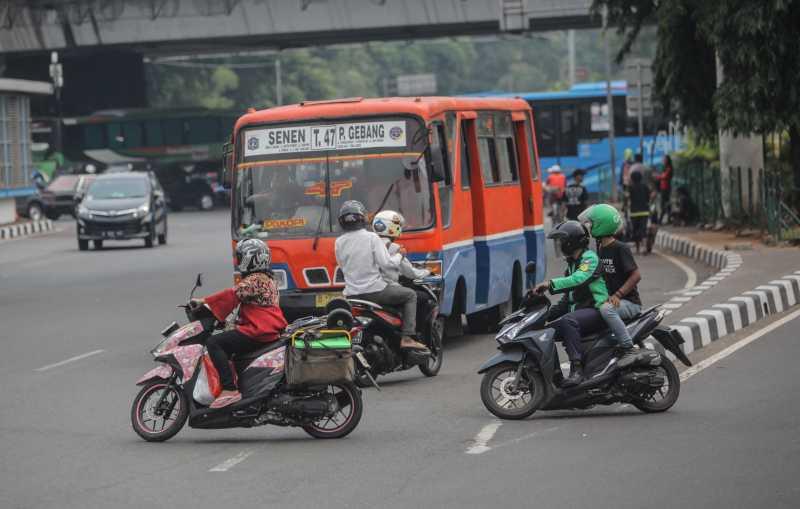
[{"x": 314, "y": 138}]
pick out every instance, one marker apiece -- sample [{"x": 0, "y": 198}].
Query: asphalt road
[{"x": 66, "y": 441}]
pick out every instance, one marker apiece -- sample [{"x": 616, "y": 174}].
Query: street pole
[
  {"x": 278, "y": 81},
  {"x": 571, "y": 51},
  {"x": 57, "y": 75},
  {"x": 612, "y": 145},
  {"x": 641, "y": 107}
]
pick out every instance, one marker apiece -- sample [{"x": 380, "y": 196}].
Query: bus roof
[
  {"x": 579, "y": 90},
  {"x": 425, "y": 107},
  {"x": 148, "y": 113}
]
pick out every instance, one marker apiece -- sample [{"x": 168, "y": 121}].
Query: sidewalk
[{"x": 24, "y": 229}]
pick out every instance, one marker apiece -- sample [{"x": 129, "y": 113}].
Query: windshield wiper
[{"x": 327, "y": 204}]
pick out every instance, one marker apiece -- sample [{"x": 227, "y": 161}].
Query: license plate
[
  {"x": 113, "y": 234},
  {"x": 362, "y": 360},
  {"x": 322, "y": 299}
]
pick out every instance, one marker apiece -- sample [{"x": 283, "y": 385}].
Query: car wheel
[
  {"x": 83, "y": 245},
  {"x": 98, "y": 244},
  {"x": 206, "y": 202},
  {"x": 35, "y": 212},
  {"x": 150, "y": 240},
  {"x": 162, "y": 238}
]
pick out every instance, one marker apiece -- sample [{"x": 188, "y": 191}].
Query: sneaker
[
  {"x": 226, "y": 398},
  {"x": 627, "y": 356}
]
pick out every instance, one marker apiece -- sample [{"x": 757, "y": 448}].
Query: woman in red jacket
[
  {"x": 665, "y": 187},
  {"x": 260, "y": 317}
]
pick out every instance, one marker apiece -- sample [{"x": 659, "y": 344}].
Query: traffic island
[
  {"x": 763, "y": 281},
  {"x": 26, "y": 229}
]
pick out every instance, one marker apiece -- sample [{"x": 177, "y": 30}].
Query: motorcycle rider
[
  {"x": 260, "y": 317},
  {"x": 584, "y": 293},
  {"x": 388, "y": 225},
  {"x": 620, "y": 273},
  {"x": 362, "y": 255}
]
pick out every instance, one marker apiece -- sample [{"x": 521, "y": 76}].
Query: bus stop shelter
[{"x": 16, "y": 160}]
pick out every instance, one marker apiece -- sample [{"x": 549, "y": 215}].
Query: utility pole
[
  {"x": 57, "y": 75},
  {"x": 278, "y": 82},
  {"x": 612, "y": 145},
  {"x": 571, "y": 52},
  {"x": 641, "y": 105}
]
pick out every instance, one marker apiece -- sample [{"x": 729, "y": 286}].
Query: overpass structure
[{"x": 78, "y": 27}]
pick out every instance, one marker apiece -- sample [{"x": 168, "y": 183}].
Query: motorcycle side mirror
[{"x": 199, "y": 281}]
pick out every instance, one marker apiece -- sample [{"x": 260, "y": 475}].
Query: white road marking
[
  {"x": 705, "y": 363},
  {"x": 232, "y": 462},
  {"x": 691, "y": 275},
  {"x": 71, "y": 359},
  {"x": 482, "y": 438}
]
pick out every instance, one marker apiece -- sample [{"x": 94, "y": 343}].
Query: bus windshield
[
  {"x": 292, "y": 178},
  {"x": 299, "y": 198}
]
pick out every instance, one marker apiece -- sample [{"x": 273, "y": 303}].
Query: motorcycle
[
  {"x": 376, "y": 333},
  {"x": 179, "y": 388},
  {"x": 525, "y": 376}
]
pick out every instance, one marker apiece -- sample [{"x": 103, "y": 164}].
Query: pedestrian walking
[
  {"x": 576, "y": 197},
  {"x": 665, "y": 188},
  {"x": 640, "y": 197}
]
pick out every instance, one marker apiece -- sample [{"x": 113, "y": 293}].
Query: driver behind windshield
[{"x": 362, "y": 255}]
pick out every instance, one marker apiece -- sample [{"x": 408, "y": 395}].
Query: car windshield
[
  {"x": 64, "y": 183},
  {"x": 297, "y": 194},
  {"x": 112, "y": 189}
]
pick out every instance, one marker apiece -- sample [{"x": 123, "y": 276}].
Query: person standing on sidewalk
[
  {"x": 665, "y": 188},
  {"x": 640, "y": 195},
  {"x": 575, "y": 196}
]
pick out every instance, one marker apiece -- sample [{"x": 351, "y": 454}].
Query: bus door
[
  {"x": 532, "y": 208},
  {"x": 479, "y": 221}
]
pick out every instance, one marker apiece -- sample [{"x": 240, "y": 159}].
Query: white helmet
[
  {"x": 554, "y": 169},
  {"x": 388, "y": 223}
]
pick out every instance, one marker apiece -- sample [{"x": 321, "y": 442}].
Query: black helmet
[
  {"x": 352, "y": 215},
  {"x": 572, "y": 235}
]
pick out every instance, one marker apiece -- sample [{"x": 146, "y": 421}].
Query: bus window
[
  {"x": 464, "y": 156},
  {"x": 439, "y": 143},
  {"x": 94, "y": 136},
  {"x": 488, "y": 154},
  {"x": 153, "y": 134},
  {"x": 173, "y": 131},
  {"x": 203, "y": 130},
  {"x": 532, "y": 152},
  {"x": 568, "y": 142},
  {"x": 546, "y": 130},
  {"x": 132, "y": 134},
  {"x": 507, "y": 160}
]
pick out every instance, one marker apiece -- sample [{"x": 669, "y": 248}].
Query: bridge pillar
[{"x": 93, "y": 81}]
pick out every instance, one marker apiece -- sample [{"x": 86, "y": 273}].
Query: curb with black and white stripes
[
  {"x": 738, "y": 312},
  {"x": 14, "y": 231},
  {"x": 726, "y": 261}
]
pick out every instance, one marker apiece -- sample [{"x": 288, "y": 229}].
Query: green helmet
[{"x": 602, "y": 220}]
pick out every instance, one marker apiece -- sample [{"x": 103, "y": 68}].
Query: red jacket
[
  {"x": 665, "y": 179},
  {"x": 260, "y": 316}
]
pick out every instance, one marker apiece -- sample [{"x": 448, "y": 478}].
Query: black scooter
[{"x": 526, "y": 375}]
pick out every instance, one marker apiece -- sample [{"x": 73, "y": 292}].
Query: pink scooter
[{"x": 181, "y": 387}]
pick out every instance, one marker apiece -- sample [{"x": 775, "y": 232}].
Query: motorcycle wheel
[
  {"x": 667, "y": 395},
  {"x": 158, "y": 428},
  {"x": 346, "y": 418},
  {"x": 434, "y": 364},
  {"x": 511, "y": 404}
]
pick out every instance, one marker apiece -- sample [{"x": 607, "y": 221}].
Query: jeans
[
  {"x": 614, "y": 319},
  {"x": 221, "y": 346},
  {"x": 399, "y": 296},
  {"x": 572, "y": 326}
]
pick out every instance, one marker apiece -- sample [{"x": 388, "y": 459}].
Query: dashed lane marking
[
  {"x": 71, "y": 359},
  {"x": 231, "y": 462},
  {"x": 706, "y": 363},
  {"x": 479, "y": 445}
]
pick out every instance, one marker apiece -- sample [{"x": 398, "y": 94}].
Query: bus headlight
[{"x": 433, "y": 266}]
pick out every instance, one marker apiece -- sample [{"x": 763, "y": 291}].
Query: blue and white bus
[{"x": 572, "y": 130}]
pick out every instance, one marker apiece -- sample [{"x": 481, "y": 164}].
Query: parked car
[
  {"x": 57, "y": 198},
  {"x": 187, "y": 190},
  {"x": 123, "y": 206}
]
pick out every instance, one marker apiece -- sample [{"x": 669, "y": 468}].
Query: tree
[{"x": 758, "y": 47}]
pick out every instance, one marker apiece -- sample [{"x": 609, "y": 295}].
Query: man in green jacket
[{"x": 584, "y": 292}]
